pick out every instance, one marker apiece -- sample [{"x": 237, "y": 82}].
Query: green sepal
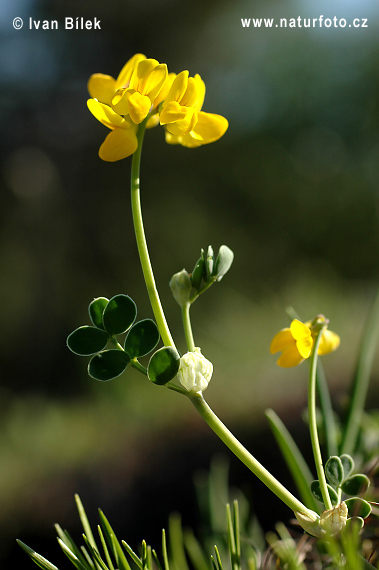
[
  {"x": 108, "y": 364},
  {"x": 347, "y": 464},
  {"x": 96, "y": 310},
  {"x": 198, "y": 273},
  {"x": 316, "y": 491},
  {"x": 37, "y": 558},
  {"x": 223, "y": 262},
  {"x": 358, "y": 507},
  {"x": 87, "y": 340},
  {"x": 209, "y": 263},
  {"x": 142, "y": 338},
  {"x": 334, "y": 470},
  {"x": 356, "y": 484},
  {"x": 119, "y": 314},
  {"x": 163, "y": 365}
]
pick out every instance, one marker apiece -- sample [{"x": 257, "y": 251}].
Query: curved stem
[
  {"x": 187, "y": 326},
  {"x": 241, "y": 452},
  {"x": 313, "y": 423},
  {"x": 142, "y": 245}
]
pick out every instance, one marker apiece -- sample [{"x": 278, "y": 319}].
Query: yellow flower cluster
[
  {"x": 296, "y": 342},
  {"x": 145, "y": 89}
]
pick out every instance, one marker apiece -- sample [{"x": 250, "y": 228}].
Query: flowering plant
[{"x": 145, "y": 95}]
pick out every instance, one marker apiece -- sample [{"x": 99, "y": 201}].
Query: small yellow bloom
[
  {"x": 103, "y": 87},
  {"x": 138, "y": 99},
  {"x": 122, "y": 140},
  {"x": 182, "y": 117},
  {"x": 295, "y": 343}
]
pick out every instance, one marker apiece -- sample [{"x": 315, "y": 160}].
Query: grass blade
[
  {"x": 295, "y": 461},
  {"x": 121, "y": 561},
  {"x": 330, "y": 427},
  {"x": 106, "y": 551},
  {"x": 361, "y": 379},
  {"x": 71, "y": 556},
  {"x": 132, "y": 554},
  {"x": 85, "y": 522},
  {"x": 176, "y": 542},
  {"x": 37, "y": 558}
]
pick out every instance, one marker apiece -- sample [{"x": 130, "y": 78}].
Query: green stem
[
  {"x": 138, "y": 366},
  {"x": 313, "y": 423},
  {"x": 243, "y": 455},
  {"x": 142, "y": 245},
  {"x": 187, "y": 326}
]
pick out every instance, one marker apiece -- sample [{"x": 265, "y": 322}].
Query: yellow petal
[
  {"x": 282, "y": 340},
  {"x": 195, "y": 93},
  {"x": 165, "y": 89},
  {"x": 189, "y": 141},
  {"x": 139, "y": 106},
  {"x": 155, "y": 81},
  {"x": 299, "y": 330},
  {"x": 119, "y": 144},
  {"x": 330, "y": 341},
  {"x": 120, "y": 101},
  {"x": 290, "y": 357},
  {"x": 209, "y": 127},
  {"x": 126, "y": 72},
  {"x": 178, "y": 87},
  {"x": 185, "y": 125},
  {"x": 153, "y": 121},
  {"x": 106, "y": 115},
  {"x": 141, "y": 74},
  {"x": 304, "y": 346},
  {"x": 171, "y": 139},
  {"x": 172, "y": 112},
  {"x": 101, "y": 87}
]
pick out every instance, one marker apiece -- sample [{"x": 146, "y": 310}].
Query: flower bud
[
  {"x": 181, "y": 287},
  {"x": 195, "y": 371},
  {"x": 334, "y": 520}
]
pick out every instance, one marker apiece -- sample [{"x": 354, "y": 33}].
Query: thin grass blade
[
  {"x": 361, "y": 379},
  {"x": 294, "y": 459},
  {"x": 37, "y": 558}
]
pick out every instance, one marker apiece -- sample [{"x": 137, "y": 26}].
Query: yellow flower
[
  {"x": 103, "y": 87},
  {"x": 137, "y": 99},
  {"x": 122, "y": 140},
  {"x": 182, "y": 117},
  {"x": 295, "y": 343}
]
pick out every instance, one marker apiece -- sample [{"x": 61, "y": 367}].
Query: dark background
[{"x": 292, "y": 188}]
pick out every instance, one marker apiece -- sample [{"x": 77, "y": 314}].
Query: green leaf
[
  {"x": 96, "y": 310},
  {"x": 37, "y": 558},
  {"x": 163, "y": 365},
  {"x": 142, "y": 338},
  {"x": 209, "y": 263},
  {"x": 119, "y": 314},
  {"x": 87, "y": 340},
  {"x": 358, "y": 507},
  {"x": 223, "y": 262},
  {"x": 357, "y": 523},
  {"x": 356, "y": 484},
  {"x": 198, "y": 274},
  {"x": 316, "y": 490},
  {"x": 334, "y": 470},
  {"x": 108, "y": 364},
  {"x": 347, "y": 464}
]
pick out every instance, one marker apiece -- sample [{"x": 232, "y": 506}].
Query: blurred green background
[{"x": 292, "y": 188}]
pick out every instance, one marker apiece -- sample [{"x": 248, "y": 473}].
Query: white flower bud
[
  {"x": 181, "y": 287},
  {"x": 330, "y": 523},
  {"x": 334, "y": 520},
  {"x": 195, "y": 371}
]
